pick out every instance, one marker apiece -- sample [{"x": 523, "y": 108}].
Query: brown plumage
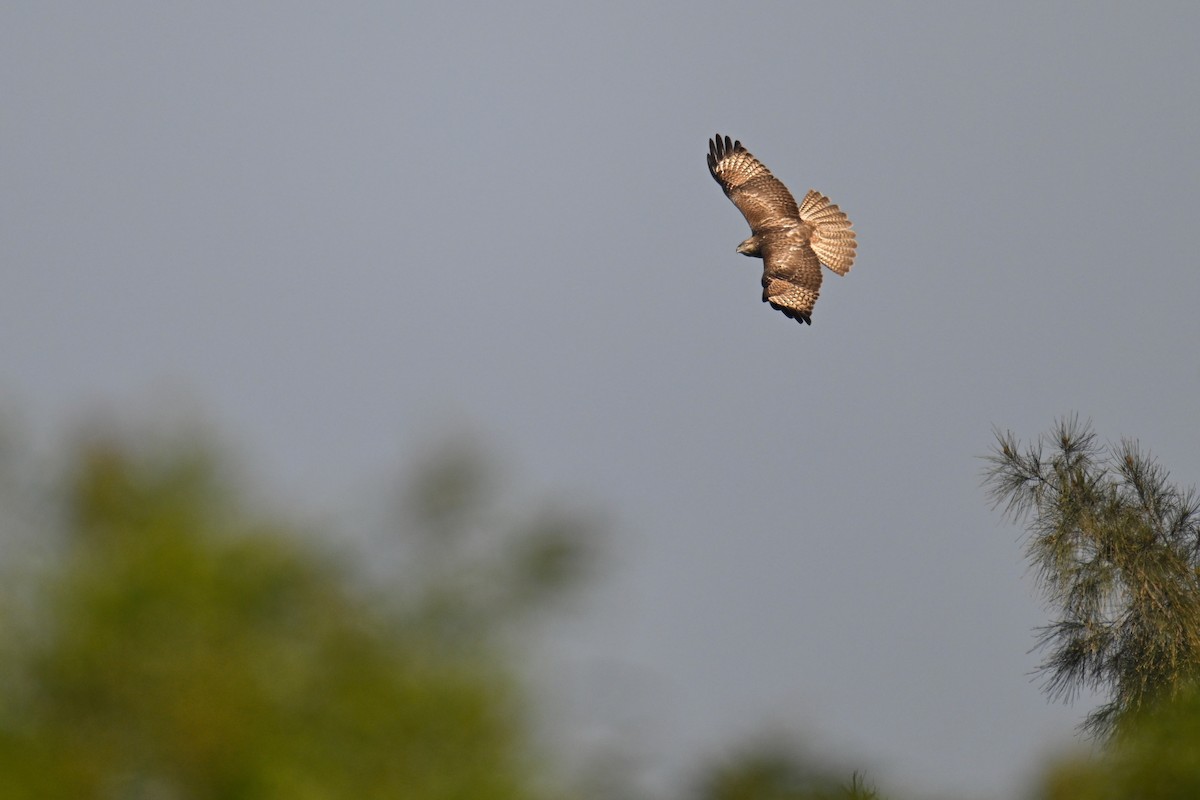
[{"x": 792, "y": 241}]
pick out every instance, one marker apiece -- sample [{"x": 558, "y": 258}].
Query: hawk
[{"x": 793, "y": 242}]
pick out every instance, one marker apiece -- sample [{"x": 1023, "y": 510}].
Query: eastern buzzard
[{"x": 792, "y": 242}]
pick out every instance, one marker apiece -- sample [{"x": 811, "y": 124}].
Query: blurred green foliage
[
  {"x": 1154, "y": 756},
  {"x": 179, "y": 645},
  {"x": 162, "y": 639},
  {"x": 770, "y": 769},
  {"x": 475, "y": 564}
]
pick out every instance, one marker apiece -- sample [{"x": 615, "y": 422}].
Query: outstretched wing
[
  {"x": 763, "y": 200},
  {"x": 791, "y": 276}
]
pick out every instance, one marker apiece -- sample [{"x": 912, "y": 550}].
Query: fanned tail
[{"x": 833, "y": 240}]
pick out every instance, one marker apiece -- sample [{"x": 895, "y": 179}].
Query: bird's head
[{"x": 751, "y": 247}]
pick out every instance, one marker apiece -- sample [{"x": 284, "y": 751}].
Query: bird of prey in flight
[{"x": 793, "y": 241}]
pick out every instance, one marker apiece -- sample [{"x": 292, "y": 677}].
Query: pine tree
[{"x": 1116, "y": 548}]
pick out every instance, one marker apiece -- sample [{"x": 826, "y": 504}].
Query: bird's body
[{"x": 793, "y": 241}]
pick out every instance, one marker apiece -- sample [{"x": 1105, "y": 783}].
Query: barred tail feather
[{"x": 833, "y": 240}]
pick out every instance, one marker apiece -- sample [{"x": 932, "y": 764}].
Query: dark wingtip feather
[
  {"x": 790, "y": 313},
  {"x": 716, "y": 152},
  {"x": 721, "y": 146}
]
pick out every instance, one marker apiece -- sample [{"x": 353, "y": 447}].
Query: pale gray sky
[{"x": 340, "y": 229}]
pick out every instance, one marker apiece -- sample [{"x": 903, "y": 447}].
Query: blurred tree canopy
[
  {"x": 177, "y": 644},
  {"x": 1116, "y": 547},
  {"x": 772, "y": 769},
  {"x": 1155, "y": 755}
]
